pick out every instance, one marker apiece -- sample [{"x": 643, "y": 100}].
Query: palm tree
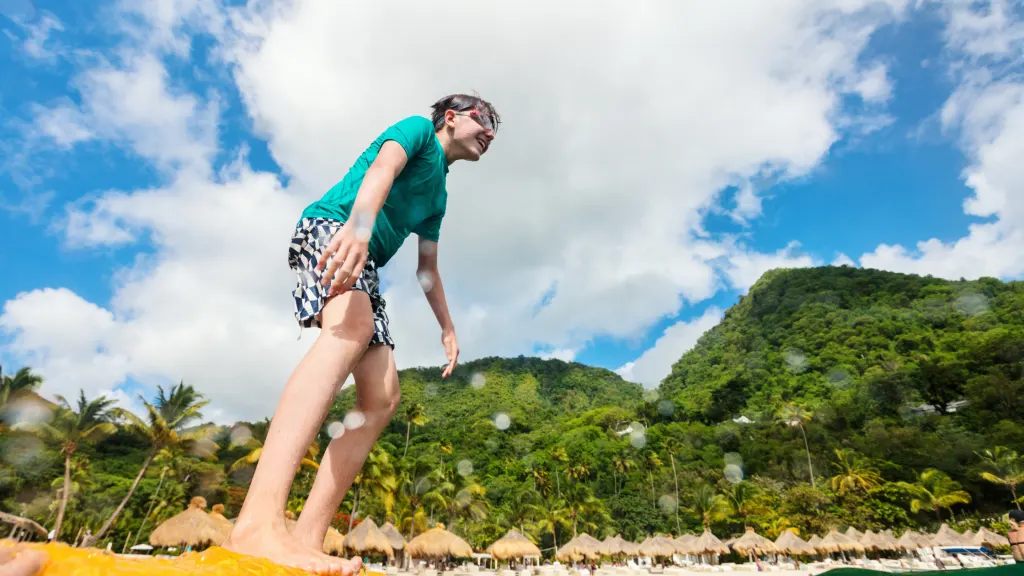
[
  {"x": 671, "y": 446},
  {"x": 256, "y": 450},
  {"x": 558, "y": 455},
  {"x": 166, "y": 425},
  {"x": 652, "y": 463},
  {"x": 13, "y": 386},
  {"x": 378, "y": 478},
  {"x": 708, "y": 505},
  {"x": 621, "y": 464},
  {"x": 855, "y": 473},
  {"x": 521, "y": 505},
  {"x": 1005, "y": 467},
  {"x": 793, "y": 415},
  {"x": 552, "y": 515},
  {"x": 582, "y": 507},
  {"x": 414, "y": 414},
  {"x": 741, "y": 497},
  {"x": 934, "y": 490},
  {"x": 70, "y": 429}
]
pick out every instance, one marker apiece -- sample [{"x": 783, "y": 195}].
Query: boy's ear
[{"x": 449, "y": 117}]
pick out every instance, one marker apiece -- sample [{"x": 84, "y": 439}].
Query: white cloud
[
  {"x": 843, "y": 260},
  {"x": 656, "y": 362},
  {"x": 563, "y": 354},
  {"x": 742, "y": 267},
  {"x": 617, "y": 138},
  {"x": 986, "y": 111},
  {"x": 874, "y": 85},
  {"x": 38, "y": 44}
]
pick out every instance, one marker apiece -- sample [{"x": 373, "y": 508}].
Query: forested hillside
[{"x": 826, "y": 397}]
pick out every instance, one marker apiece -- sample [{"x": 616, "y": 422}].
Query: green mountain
[{"x": 826, "y": 397}]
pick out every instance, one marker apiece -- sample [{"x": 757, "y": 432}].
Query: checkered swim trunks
[{"x": 311, "y": 237}]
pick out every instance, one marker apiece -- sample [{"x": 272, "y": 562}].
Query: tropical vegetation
[{"x": 826, "y": 397}]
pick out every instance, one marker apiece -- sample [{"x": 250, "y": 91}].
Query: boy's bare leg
[
  {"x": 260, "y": 529},
  {"x": 377, "y": 396}
]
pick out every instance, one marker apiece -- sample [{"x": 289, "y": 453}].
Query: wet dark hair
[{"x": 461, "y": 103}]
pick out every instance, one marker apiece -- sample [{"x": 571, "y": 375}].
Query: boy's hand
[
  {"x": 349, "y": 248},
  {"x": 451, "y": 350}
]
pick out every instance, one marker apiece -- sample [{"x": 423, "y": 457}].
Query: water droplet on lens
[
  {"x": 354, "y": 419},
  {"x": 426, "y": 280},
  {"x": 477, "y": 380},
  {"x": 502, "y": 421},
  {"x": 430, "y": 389},
  {"x": 651, "y": 395},
  {"x": 837, "y": 377},
  {"x": 421, "y": 485},
  {"x": 795, "y": 360},
  {"x": 336, "y": 430},
  {"x": 240, "y": 435},
  {"x": 666, "y": 408},
  {"x": 667, "y": 503},
  {"x": 364, "y": 225},
  {"x": 972, "y": 304},
  {"x": 734, "y": 473},
  {"x": 638, "y": 439},
  {"x": 733, "y": 458},
  {"x": 465, "y": 467}
]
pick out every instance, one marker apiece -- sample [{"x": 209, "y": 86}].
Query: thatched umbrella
[
  {"x": 438, "y": 542},
  {"x": 834, "y": 541},
  {"x": 946, "y": 536},
  {"x": 513, "y": 545},
  {"x": 366, "y": 537},
  {"x": 579, "y": 548},
  {"x": 814, "y": 540},
  {"x": 789, "y": 543},
  {"x": 612, "y": 546},
  {"x": 395, "y": 537},
  {"x": 629, "y": 548},
  {"x": 753, "y": 543},
  {"x": 657, "y": 547},
  {"x": 989, "y": 539},
  {"x": 193, "y": 527},
  {"x": 684, "y": 544},
  {"x": 909, "y": 540},
  {"x": 708, "y": 543},
  {"x": 853, "y": 533},
  {"x": 334, "y": 542},
  {"x": 225, "y": 525}
]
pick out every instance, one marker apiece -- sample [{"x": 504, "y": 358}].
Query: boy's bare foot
[
  {"x": 282, "y": 548},
  {"x": 20, "y": 561}
]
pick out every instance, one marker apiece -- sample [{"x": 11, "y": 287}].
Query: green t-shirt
[{"x": 417, "y": 200}]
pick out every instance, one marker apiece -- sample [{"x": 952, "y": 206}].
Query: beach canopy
[
  {"x": 580, "y": 547},
  {"x": 753, "y": 543},
  {"x": 367, "y": 538},
  {"x": 657, "y": 547},
  {"x": 395, "y": 537},
  {"x": 708, "y": 543},
  {"x": 612, "y": 546},
  {"x": 834, "y": 541},
  {"x": 513, "y": 545},
  {"x": 789, "y": 543},
  {"x": 989, "y": 539},
  {"x": 193, "y": 527},
  {"x": 438, "y": 543},
  {"x": 225, "y": 525},
  {"x": 946, "y": 536}
]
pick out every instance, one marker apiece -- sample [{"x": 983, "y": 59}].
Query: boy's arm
[
  {"x": 430, "y": 280},
  {"x": 351, "y": 244}
]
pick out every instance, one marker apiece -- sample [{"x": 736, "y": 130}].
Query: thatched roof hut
[
  {"x": 684, "y": 543},
  {"x": 193, "y": 527},
  {"x": 631, "y": 549},
  {"x": 367, "y": 538},
  {"x": 513, "y": 545},
  {"x": 225, "y": 525},
  {"x": 395, "y": 537},
  {"x": 753, "y": 543},
  {"x": 909, "y": 540},
  {"x": 989, "y": 539},
  {"x": 612, "y": 546},
  {"x": 814, "y": 540},
  {"x": 657, "y": 547},
  {"x": 438, "y": 542},
  {"x": 708, "y": 543},
  {"x": 853, "y": 533},
  {"x": 946, "y": 536},
  {"x": 834, "y": 541},
  {"x": 580, "y": 547},
  {"x": 789, "y": 543},
  {"x": 334, "y": 542}
]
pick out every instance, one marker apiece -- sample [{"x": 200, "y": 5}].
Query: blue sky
[{"x": 123, "y": 125}]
